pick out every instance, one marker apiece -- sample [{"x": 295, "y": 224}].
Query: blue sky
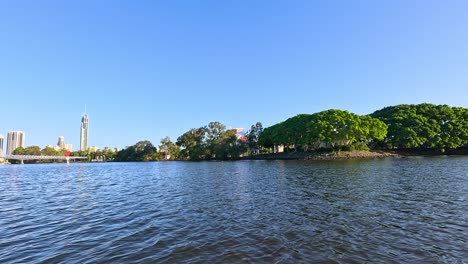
[{"x": 149, "y": 69}]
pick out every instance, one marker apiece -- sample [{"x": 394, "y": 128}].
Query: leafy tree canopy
[
  {"x": 330, "y": 128},
  {"x": 141, "y": 151},
  {"x": 210, "y": 142},
  {"x": 425, "y": 126},
  {"x": 169, "y": 148}
]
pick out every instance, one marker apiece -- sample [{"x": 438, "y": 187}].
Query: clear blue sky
[{"x": 147, "y": 69}]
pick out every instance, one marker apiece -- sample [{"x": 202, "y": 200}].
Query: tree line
[
  {"x": 400, "y": 127},
  {"x": 425, "y": 126},
  {"x": 100, "y": 155},
  {"x": 328, "y": 129},
  {"x": 37, "y": 151},
  {"x": 209, "y": 142}
]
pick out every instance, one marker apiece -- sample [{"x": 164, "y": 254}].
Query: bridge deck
[{"x": 33, "y": 157}]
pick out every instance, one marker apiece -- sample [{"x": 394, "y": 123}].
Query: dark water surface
[{"x": 412, "y": 210}]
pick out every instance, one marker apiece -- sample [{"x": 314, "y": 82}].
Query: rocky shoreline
[
  {"x": 353, "y": 155},
  {"x": 341, "y": 155}
]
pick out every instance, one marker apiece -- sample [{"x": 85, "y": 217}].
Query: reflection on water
[{"x": 391, "y": 210}]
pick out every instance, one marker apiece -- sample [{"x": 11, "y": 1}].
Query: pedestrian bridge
[{"x": 38, "y": 157}]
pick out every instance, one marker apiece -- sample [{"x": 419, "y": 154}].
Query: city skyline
[
  {"x": 60, "y": 143},
  {"x": 13, "y": 136},
  {"x": 16, "y": 139},
  {"x": 153, "y": 69}
]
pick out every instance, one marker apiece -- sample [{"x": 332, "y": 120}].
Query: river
[{"x": 407, "y": 210}]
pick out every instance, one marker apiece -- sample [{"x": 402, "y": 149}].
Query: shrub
[{"x": 359, "y": 146}]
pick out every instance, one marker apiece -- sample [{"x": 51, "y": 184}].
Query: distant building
[
  {"x": 56, "y": 148},
  {"x": 93, "y": 149},
  {"x": 278, "y": 149},
  {"x": 240, "y": 133},
  {"x": 111, "y": 149},
  {"x": 1, "y": 144},
  {"x": 15, "y": 139},
  {"x": 61, "y": 142},
  {"x": 69, "y": 147},
  {"x": 84, "y": 133}
]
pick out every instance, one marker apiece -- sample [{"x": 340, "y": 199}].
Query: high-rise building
[
  {"x": 1, "y": 144},
  {"x": 84, "y": 133},
  {"x": 15, "y": 139},
  {"x": 61, "y": 142},
  {"x": 69, "y": 147}
]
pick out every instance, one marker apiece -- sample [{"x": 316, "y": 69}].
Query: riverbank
[
  {"x": 358, "y": 154},
  {"x": 338, "y": 155}
]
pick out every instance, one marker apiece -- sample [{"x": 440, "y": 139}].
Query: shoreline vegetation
[
  {"x": 339, "y": 155},
  {"x": 355, "y": 154},
  {"x": 317, "y": 156},
  {"x": 393, "y": 131}
]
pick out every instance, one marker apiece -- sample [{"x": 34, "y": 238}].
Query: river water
[{"x": 409, "y": 210}]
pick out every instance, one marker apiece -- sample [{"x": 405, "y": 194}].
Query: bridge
[{"x": 38, "y": 157}]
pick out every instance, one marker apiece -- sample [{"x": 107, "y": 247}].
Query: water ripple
[{"x": 389, "y": 211}]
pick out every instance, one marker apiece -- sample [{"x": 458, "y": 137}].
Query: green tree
[
  {"x": 425, "y": 125},
  {"x": 141, "y": 151},
  {"x": 210, "y": 142},
  {"x": 330, "y": 128},
  {"x": 32, "y": 150},
  {"x": 193, "y": 144},
  {"x": 48, "y": 151},
  {"x": 337, "y": 127},
  {"x": 227, "y": 146},
  {"x": 252, "y": 136},
  {"x": 109, "y": 154},
  {"x": 19, "y": 151},
  {"x": 266, "y": 138},
  {"x": 170, "y": 148},
  {"x": 214, "y": 131},
  {"x": 84, "y": 153}
]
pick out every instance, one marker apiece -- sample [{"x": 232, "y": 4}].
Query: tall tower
[
  {"x": 61, "y": 142},
  {"x": 15, "y": 139},
  {"x": 1, "y": 144},
  {"x": 84, "y": 133}
]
